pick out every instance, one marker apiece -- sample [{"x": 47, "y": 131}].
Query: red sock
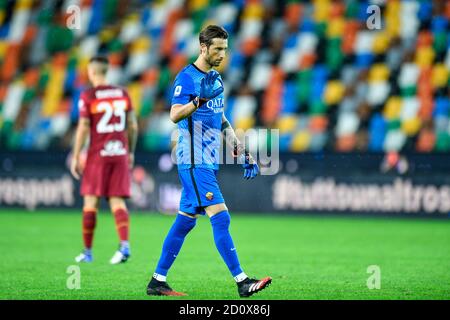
[
  {"x": 89, "y": 221},
  {"x": 122, "y": 223}
]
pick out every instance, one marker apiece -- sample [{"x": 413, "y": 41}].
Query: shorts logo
[
  {"x": 113, "y": 148},
  {"x": 209, "y": 195}
]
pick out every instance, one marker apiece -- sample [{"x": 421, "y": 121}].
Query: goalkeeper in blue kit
[{"x": 197, "y": 108}]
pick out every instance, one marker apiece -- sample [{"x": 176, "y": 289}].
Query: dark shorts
[
  {"x": 200, "y": 190},
  {"x": 107, "y": 179}
]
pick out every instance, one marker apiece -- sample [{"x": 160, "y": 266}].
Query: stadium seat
[
  {"x": 426, "y": 140},
  {"x": 346, "y": 143},
  {"x": 392, "y": 108},
  {"x": 411, "y": 126},
  {"x": 334, "y": 92},
  {"x": 301, "y": 141},
  {"x": 377, "y": 93},
  {"x": 395, "y": 139},
  {"x": 347, "y": 124},
  {"x": 410, "y": 108}
]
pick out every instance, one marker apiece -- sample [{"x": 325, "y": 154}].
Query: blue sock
[
  {"x": 220, "y": 223},
  {"x": 125, "y": 245},
  {"x": 173, "y": 242}
]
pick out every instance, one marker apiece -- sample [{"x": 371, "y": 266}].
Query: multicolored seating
[{"x": 315, "y": 71}]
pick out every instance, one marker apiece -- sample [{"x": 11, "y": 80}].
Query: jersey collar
[{"x": 197, "y": 68}]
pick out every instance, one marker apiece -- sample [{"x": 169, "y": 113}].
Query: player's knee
[
  {"x": 215, "y": 209},
  {"x": 221, "y": 219},
  {"x": 186, "y": 223},
  {"x": 90, "y": 202},
  {"x": 116, "y": 203}
]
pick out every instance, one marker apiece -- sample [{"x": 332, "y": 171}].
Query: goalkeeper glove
[
  {"x": 207, "y": 91},
  {"x": 251, "y": 168}
]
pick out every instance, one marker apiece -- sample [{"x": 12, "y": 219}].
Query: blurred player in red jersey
[{"x": 107, "y": 117}]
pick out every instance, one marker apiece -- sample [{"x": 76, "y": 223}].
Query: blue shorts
[{"x": 200, "y": 190}]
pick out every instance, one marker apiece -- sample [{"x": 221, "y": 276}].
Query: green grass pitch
[{"x": 308, "y": 257}]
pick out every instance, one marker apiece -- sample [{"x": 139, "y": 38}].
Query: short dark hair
[
  {"x": 102, "y": 64},
  {"x": 99, "y": 59},
  {"x": 211, "y": 32}
]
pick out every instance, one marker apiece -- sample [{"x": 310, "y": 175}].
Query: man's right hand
[
  {"x": 251, "y": 168},
  {"x": 207, "y": 91},
  {"x": 75, "y": 167}
]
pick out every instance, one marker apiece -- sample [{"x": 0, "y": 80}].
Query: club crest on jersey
[
  {"x": 209, "y": 195},
  {"x": 215, "y": 105}
]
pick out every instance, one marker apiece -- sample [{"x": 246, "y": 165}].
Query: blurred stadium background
[{"x": 363, "y": 119}]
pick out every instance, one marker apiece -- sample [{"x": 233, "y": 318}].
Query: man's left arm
[
  {"x": 132, "y": 133},
  {"x": 132, "y": 130},
  {"x": 251, "y": 168}
]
